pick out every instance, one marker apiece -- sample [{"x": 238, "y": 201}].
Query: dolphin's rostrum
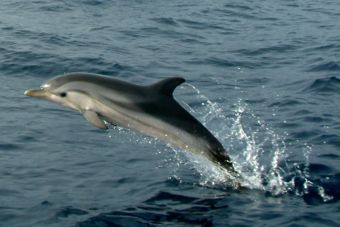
[{"x": 150, "y": 110}]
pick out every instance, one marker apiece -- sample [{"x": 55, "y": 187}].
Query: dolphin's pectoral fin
[
  {"x": 167, "y": 86},
  {"x": 94, "y": 119}
]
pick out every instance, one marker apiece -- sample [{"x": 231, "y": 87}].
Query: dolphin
[{"x": 150, "y": 109}]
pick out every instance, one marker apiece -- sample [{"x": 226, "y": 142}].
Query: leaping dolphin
[{"x": 150, "y": 110}]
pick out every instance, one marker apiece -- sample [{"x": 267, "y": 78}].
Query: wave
[
  {"x": 164, "y": 207},
  {"x": 42, "y": 64},
  {"x": 275, "y": 49},
  {"x": 325, "y": 66},
  {"x": 166, "y": 21},
  {"x": 325, "y": 85},
  {"x": 225, "y": 63}
]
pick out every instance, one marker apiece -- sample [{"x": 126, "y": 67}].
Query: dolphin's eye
[{"x": 63, "y": 94}]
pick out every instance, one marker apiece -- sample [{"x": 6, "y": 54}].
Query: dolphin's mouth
[
  {"x": 40, "y": 92},
  {"x": 46, "y": 94}
]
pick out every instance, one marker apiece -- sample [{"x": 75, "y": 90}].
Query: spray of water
[{"x": 259, "y": 154}]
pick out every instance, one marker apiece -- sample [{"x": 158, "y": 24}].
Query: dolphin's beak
[
  {"x": 46, "y": 94},
  {"x": 39, "y": 93}
]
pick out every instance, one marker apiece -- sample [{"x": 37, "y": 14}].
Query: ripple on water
[
  {"x": 325, "y": 85},
  {"x": 94, "y": 2},
  {"x": 67, "y": 211},
  {"x": 330, "y": 156},
  {"x": 164, "y": 207},
  {"x": 223, "y": 62},
  {"x": 285, "y": 103},
  {"x": 9, "y": 147},
  {"x": 166, "y": 21},
  {"x": 332, "y": 139},
  {"x": 318, "y": 168},
  {"x": 9, "y": 192},
  {"x": 55, "y": 7},
  {"x": 31, "y": 63},
  {"x": 275, "y": 49},
  {"x": 199, "y": 25},
  {"x": 325, "y": 66}
]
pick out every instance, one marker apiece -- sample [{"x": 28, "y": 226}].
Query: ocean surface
[{"x": 262, "y": 76}]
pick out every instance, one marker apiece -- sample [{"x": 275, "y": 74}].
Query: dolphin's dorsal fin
[{"x": 167, "y": 86}]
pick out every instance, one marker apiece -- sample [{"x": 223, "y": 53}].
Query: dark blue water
[{"x": 263, "y": 76}]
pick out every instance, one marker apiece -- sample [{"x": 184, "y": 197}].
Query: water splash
[
  {"x": 259, "y": 154},
  {"x": 262, "y": 160},
  {"x": 301, "y": 182},
  {"x": 250, "y": 149}
]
